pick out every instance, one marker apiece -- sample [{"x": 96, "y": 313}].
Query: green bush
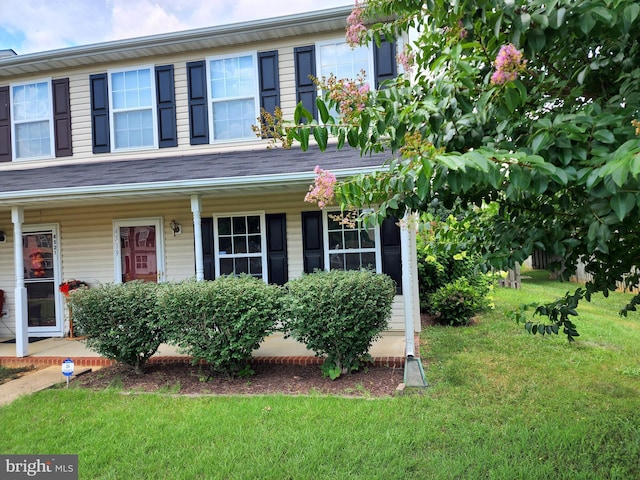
[
  {"x": 221, "y": 321},
  {"x": 456, "y": 302},
  {"x": 338, "y": 315},
  {"x": 120, "y": 321}
]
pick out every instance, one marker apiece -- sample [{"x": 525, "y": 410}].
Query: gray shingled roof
[{"x": 230, "y": 168}]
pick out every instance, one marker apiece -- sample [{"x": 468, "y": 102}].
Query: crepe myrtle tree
[{"x": 529, "y": 105}]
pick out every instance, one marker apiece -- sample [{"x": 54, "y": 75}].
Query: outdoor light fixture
[
  {"x": 176, "y": 228},
  {"x": 3, "y": 237}
]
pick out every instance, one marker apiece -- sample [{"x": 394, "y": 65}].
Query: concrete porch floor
[{"x": 388, "y": 350}]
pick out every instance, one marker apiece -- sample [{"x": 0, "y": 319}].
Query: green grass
[{"x": 502, "y": 404}]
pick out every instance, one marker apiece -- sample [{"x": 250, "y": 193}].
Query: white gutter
[{"x": 407, "y": 240}]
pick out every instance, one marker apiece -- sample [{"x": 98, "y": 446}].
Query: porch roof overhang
[
  {"x": 241, "y": 33},
  {"x": 252, "y": 172}
]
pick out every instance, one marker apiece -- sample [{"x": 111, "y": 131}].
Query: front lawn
[{"x": 502, "y": 404}]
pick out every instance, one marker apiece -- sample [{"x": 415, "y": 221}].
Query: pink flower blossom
[
  {"x": 509, "y": 63},
  {"x": 321, "y": 192},
  {"x": 406, "y": 59},
  {"x": 356, "y": 31}
]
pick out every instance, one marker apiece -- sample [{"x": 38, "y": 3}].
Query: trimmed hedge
[
  {"x": 120, "y": 321},
  {"x": 338, "y": 315},
  {"x": 221, "y": 321}
]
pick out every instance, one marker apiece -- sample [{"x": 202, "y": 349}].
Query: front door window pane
[{"x": 138, "y": 253}]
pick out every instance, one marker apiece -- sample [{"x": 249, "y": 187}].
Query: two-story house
[{"x": 136, "y": 159}]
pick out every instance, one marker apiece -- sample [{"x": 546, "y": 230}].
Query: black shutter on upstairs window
[
  {"x": 312, "y": 243},
  {"x": 269, "y": 80},
  {"x": 391, "y": 251},
  {"x": 277, "y": 266},
  {"x": 5, "y": 125},
  {"x": 166, "y": 102},
  {"x": 384, "y": 62},
  {"x": 207, "y": 248},
  {"x": 100, "y": 113},
  {"x": 306, "y": 90},
  {"x": 198, "y": 108},
  {"x": 62, "y": 117}
]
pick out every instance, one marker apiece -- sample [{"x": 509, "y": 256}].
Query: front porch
[{"x": 388, "y": 350}]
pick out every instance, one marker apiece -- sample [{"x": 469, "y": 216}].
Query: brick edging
[{"x": 395, "y": 362}]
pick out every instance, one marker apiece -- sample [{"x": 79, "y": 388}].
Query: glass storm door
[
  {"x": 39, "y": 251},
  {"x": 138, "y": 247}
]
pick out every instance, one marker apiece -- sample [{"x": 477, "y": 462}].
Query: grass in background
[{"x": 502, "y": 404}]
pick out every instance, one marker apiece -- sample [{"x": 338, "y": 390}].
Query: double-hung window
[
  {"x": 233, "y": 96},
  {"x": 240, "y": 245},
  {"x": 339, "y": 58},
  {"x": 32, "y": 120},
  {"x": 133, "y": 108},
  {"x": 350, "y": 247}
]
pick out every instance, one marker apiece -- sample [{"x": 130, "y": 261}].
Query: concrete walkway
[{"x": 34, "y": 382}]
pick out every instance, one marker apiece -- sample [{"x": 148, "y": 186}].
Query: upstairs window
[
  {"x": 339, "y": 58},
  {"x": 233, "y": 96},
  {"x": 32, "y": 120},
  {"x": 133, "y": 109}
]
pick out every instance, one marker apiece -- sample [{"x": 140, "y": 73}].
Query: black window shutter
[
  {"x": 392, "y": 251},
  {"x": 100, "y": 113},
  {"x": 277, "y": 265},
  {"x": 198, "y": 108},
  {"x": 62, "y": 117},
  {"x": 5, "y": 125},
  {"x": 312, "y": 243},
  {"x": 269, "y": 80},
  {"x": 384, "y": 62},
  {"x": 207, "y": 248},
  {"x": 166, "y": 102},
  {"x": 305, "y": 65}
]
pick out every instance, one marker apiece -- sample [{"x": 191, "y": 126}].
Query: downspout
[
  {"x": 196, "y": 207},
  {"x": 413, "y": 372},
  {"x": 22, "y": 318},
  {"x": 408, "y": 247}
]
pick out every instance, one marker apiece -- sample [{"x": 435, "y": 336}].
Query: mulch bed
[{"x": 186, "y": 379}]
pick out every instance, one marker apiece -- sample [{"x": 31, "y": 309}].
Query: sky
[{"x": 28, "y": 26}]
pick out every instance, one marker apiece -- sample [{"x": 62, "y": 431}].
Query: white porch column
[
  {"x": 410, "y": 290},
  {"x": 196, "y": 207},
  {"x": 22, "y": 318}
]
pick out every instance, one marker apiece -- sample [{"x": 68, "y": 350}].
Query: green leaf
[
  {"x": 587, "y": 22},
  {"x": 631, "y": 12},
  {"x": 352, "y": 137},
  {"x": 322, "y": 110},
  {"x": 604, "y": 136},
  {"x": 623, "y": 203},
  {"x": 304, "y": 139},
  {"x": 512, "y": 99},
  {"x": 321, "y": 135},
  {"x": 341, "y": 138}
]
